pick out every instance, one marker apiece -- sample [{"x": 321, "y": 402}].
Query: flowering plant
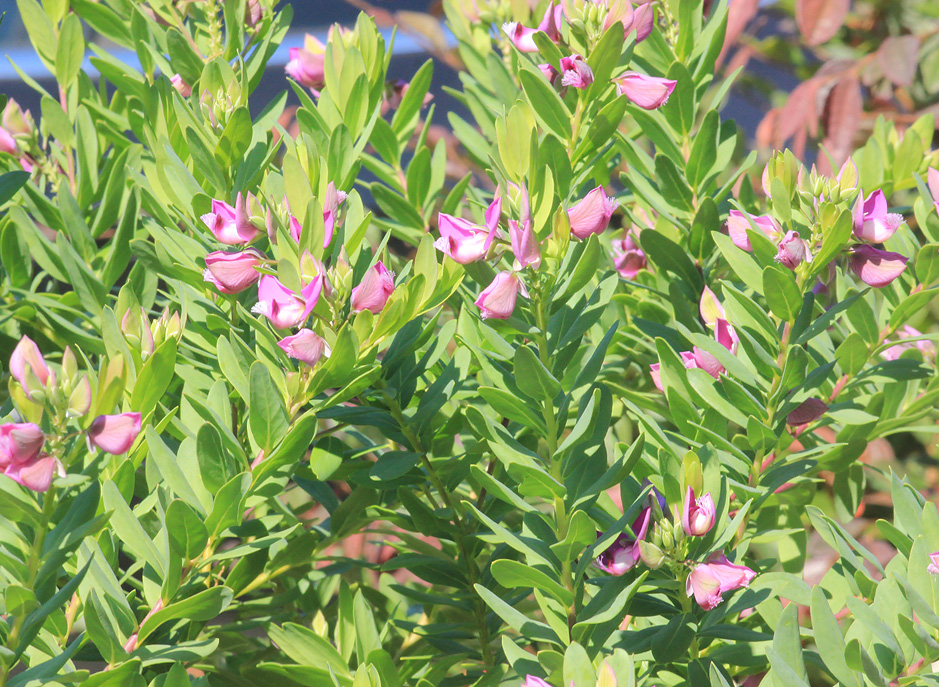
[{"x": 557, "y": 399}]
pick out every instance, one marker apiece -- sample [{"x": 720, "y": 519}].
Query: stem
[
  {"x": 687, "y": 608},
  {"x": 70, "y": 158}
]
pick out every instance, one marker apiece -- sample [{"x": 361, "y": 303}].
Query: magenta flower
[
  {"x": 306, "y": 346},
  {"x": 701, "y": 359},
  {"x": 708, "y": 581},
  {"x": 697, "y": 514},
  {"x": 875, "y": 267},
  {"x": 26, "y": 354},
  {"x": 933, "y": 566},
  {"x": 872, "y": 222},
  {"x": 648, "y": 92},
  {"x": 792, "y": 250},
  {"x": 35, "y": 474},
  {"x": 114, "y": 434},
  {"x": 498, "y": 299},
  {"x": 591, "y": 215},
  {"x": 643, "y": 21},
  {"x": 183, "y": 88},
  {"x": 20, "y": 442},
  {"x": 808, "y": 411},
  {"x": 738, "y": 223},
  {"x": 628, "y": 257},
  {"x": 932, "y": 178},
  {"x": 232, "y": 272},
  {"x": 623, "y": 554},
  {"x": 550, "y": 73},
  {"x": 551, "y": 21},
  {"x": 524, "y": 244},
  {"x": 230, "y": 225},
  {"x": 307, "y": 64},
  {"x": 331, "y": 203},
  {"x": 730, "y": 575},
  {"x": 283, "y": 307},
  {"x": 522, "y": 37},
  {"x": 374, "y": 290},
  {"x": 575, "y": 72},
  {"x": 465, "y": 241}
]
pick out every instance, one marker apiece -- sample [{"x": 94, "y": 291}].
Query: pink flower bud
[
  {"x": 283, "y": 307},
  {"x": 551, "y": 21},
  {"x": 7, "y": 142},
  {"x": 233, "y": 272},
  {"x": 592, "y": 214},
  {"x": 655, "y": 371},
  {"x": 704, "y": 585},
  {"x": 229, "y": 224},
  {"x": 524, "y": 244},
  {"x": 623, "y": 554},
  {"x": 872, "y": 222},
  {"x": 738, "y": 223},
  {"x": 792, "y": 250},
  {"x": 648, "y": 92},
  {"x": 628, "y": 257},
  {"x": 254, "y": 11},
  {"x": 35, "y": 474},
  {"x": 307, "y": 65},
  {"x": 575, "y": 72},
  {"x": 933, "y": 566},
  {"x": 20, "y": 442},
  {"x": 643, "y": 21},
  {"x": 932, "y": 178},
  {"x": 550, "y": 73},
  {"x": 697, "y": 514},
  {"x": 464, "y": 241},
  {"x": 374, "y": 290},
  {"x": 26, "y": 354},
  {"x": 183, "y": 88},
  {"x": 875, "y": 267},
  {"x": 498, "y": 299},
  {"x": 306, "y": 346},
  {"x": 808, "y": 411},
  {"x": 114, "y": 434}
]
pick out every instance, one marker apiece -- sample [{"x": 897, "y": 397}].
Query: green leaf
[
  {"x": 128, "y": 529},
  {"x": 40, "y": 29},
  {"x": 787, "y": 645},
  {"x": 533, "y": 630},
  {"x": 581, "y": 533},
  {"x": 673, "y": 640},
  {"x": 168, "y": 465},
  {"x": 668, "y": 255},
  {"x": 202, "y": 606},
  {"x": 829, "y": 640},
  {"x": 512, "y": 574},
  {"x": 782, "y": 293},
  {"x": 267, "y": 413},
  {"x": 307, "y": 648},
  {"x": 11, "y": 183},
  {"x": 549, "y": 109},
  {"x": 185, "y": 60},
  {"x": 185, "y": 529},
  {"x": 154, "y": 378},
  {"x": 70, "y": 50}
]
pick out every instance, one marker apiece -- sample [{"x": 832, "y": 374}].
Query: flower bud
[
  {"x": 373, "y": 291},
  {"x": 697, "y": 514},
  {"x": 306, "y": 346},
  {"x": 592, "y": 214},
  {"x": 498, "y": 299},
  {"x": 933, "y": 566},
  {"x": 29, "y": 368},
  {"x": 233, "y": 272},
  {"x": 79, "y": 401},
  {"x": 307, "y": 65},
  {"x": 650, "y": 554},
  {"x": 648, "y": 92}
]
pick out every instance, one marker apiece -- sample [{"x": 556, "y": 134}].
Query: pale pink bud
[
  {"x": 229, "y": 224},
  {"x": 283, "y": 307},
  {"x": 114, "y": 434},
  {"x": 875, "y": 267},
  {"x": 307, "y": 65},
  {"x": 808, "y": 411},
  {"x": 374, "y": 290},
  {"x": 705, "y": 586},
  {"x": 655, "y": 371},
  {"x": 26, "y": 354},
  {"x": 628, "y": 257},
  {"x": 643, "y": 21},
  {"x": 524, "y": 244},
  {"x": 648, "y": 92},
  {"x": 79, "y": 402},
  {"x": 933, "y": 566},
  {"x": 738, "y": 223},
  {"x": 464, "y": 241},
  {"x": 697, "y": 514},
  {"x": 592, "y": 214},
  {"x": 183, "y": 88},
  {"x": 618, "y": 11},
  {"x": 872, "y": 222},
  {"x": 254, "y": 11},
  {"x": 233, "y": 272},
  {"x": 306, "y": 346},
  {"x": 792, "y": 250},
  {"x": 551, "y": 21},
  {"x": 20, "y": 442},
  {"x": 35, "y": 474},
  {"x": 623, "y": 554},
  {"x": 575, "y": 72},
  {"x": 498, "y": 299},
  {"x": 550, "y": 73}
]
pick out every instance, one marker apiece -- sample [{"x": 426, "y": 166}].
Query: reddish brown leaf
[
  {"x": 842, "y": 117},
  {"x": 739, "y": 15},
  {"x": 820, "y": 20},
  {"x": 899, "y": 58}
]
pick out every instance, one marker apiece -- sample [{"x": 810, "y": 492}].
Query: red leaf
[
  {"x": 739, "y": 15},
  {"x": 842, "y": 118},
  {"x": 820, "y": 20},
  {"x": 899, "y": 59}
]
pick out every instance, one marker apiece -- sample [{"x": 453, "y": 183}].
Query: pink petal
[{"x": 876, "y": 267}]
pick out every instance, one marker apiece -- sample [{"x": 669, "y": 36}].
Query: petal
[
  {"x": 876, "y": 267},
  {"x": 808, "y": 411},
  {"x": 114, "y": 434}
]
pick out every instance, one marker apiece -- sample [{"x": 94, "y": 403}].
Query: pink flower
[
  {"x": 551, "y": 21},
  {"x": 550, "y": 73},
  {"x": 26, "y": 354},
  {"x": 306, "y": 346},
  {"x": 35, "y": 474},
  {"x": 575, "y": 72},
  {"x": 628, "y": 257},
  {"x": 498, "y": 299},
  {"x": 643, "y": 21},
  {"x": 932, "y": 177},
  {"x": 875, "y": 267},
  {"x": 731, "y": 576},
  {"x": 374, "y": 290},
  {"x": 183, "y": 88},
  {"x": 808, "y": 411},
  {"x": 698, "y": 358},
  {"x": 872, "y": 222},
  {"x": 532, "y": 681},
  {"x": 648, "y": 92},
  {"x": 283, "y": 307},
  {"x": 230, "y": 225},
  {"x": 697, "y": 514},
  {"x": 738, "y": 223},
  {"x": 522, "y": 37},
  {"x": 524, "y": 244},
  {"x": 307, "y": 64},
  {"x": 933, "y": 566},
  {"x": 704, "y": 585},
  {"x": 465, "y": 241},
  {"x": 793, "y": 250},
  {"x": 623, "y": 554},
  {"x": 591, "y": 215},
  {"x": 7, "y": 142},
  {"x": 927, "y": 348},
  {"x": 20, "y": 442},
  {"x": 114, "y": 434},
  {"x": 232, "y": 272}
]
